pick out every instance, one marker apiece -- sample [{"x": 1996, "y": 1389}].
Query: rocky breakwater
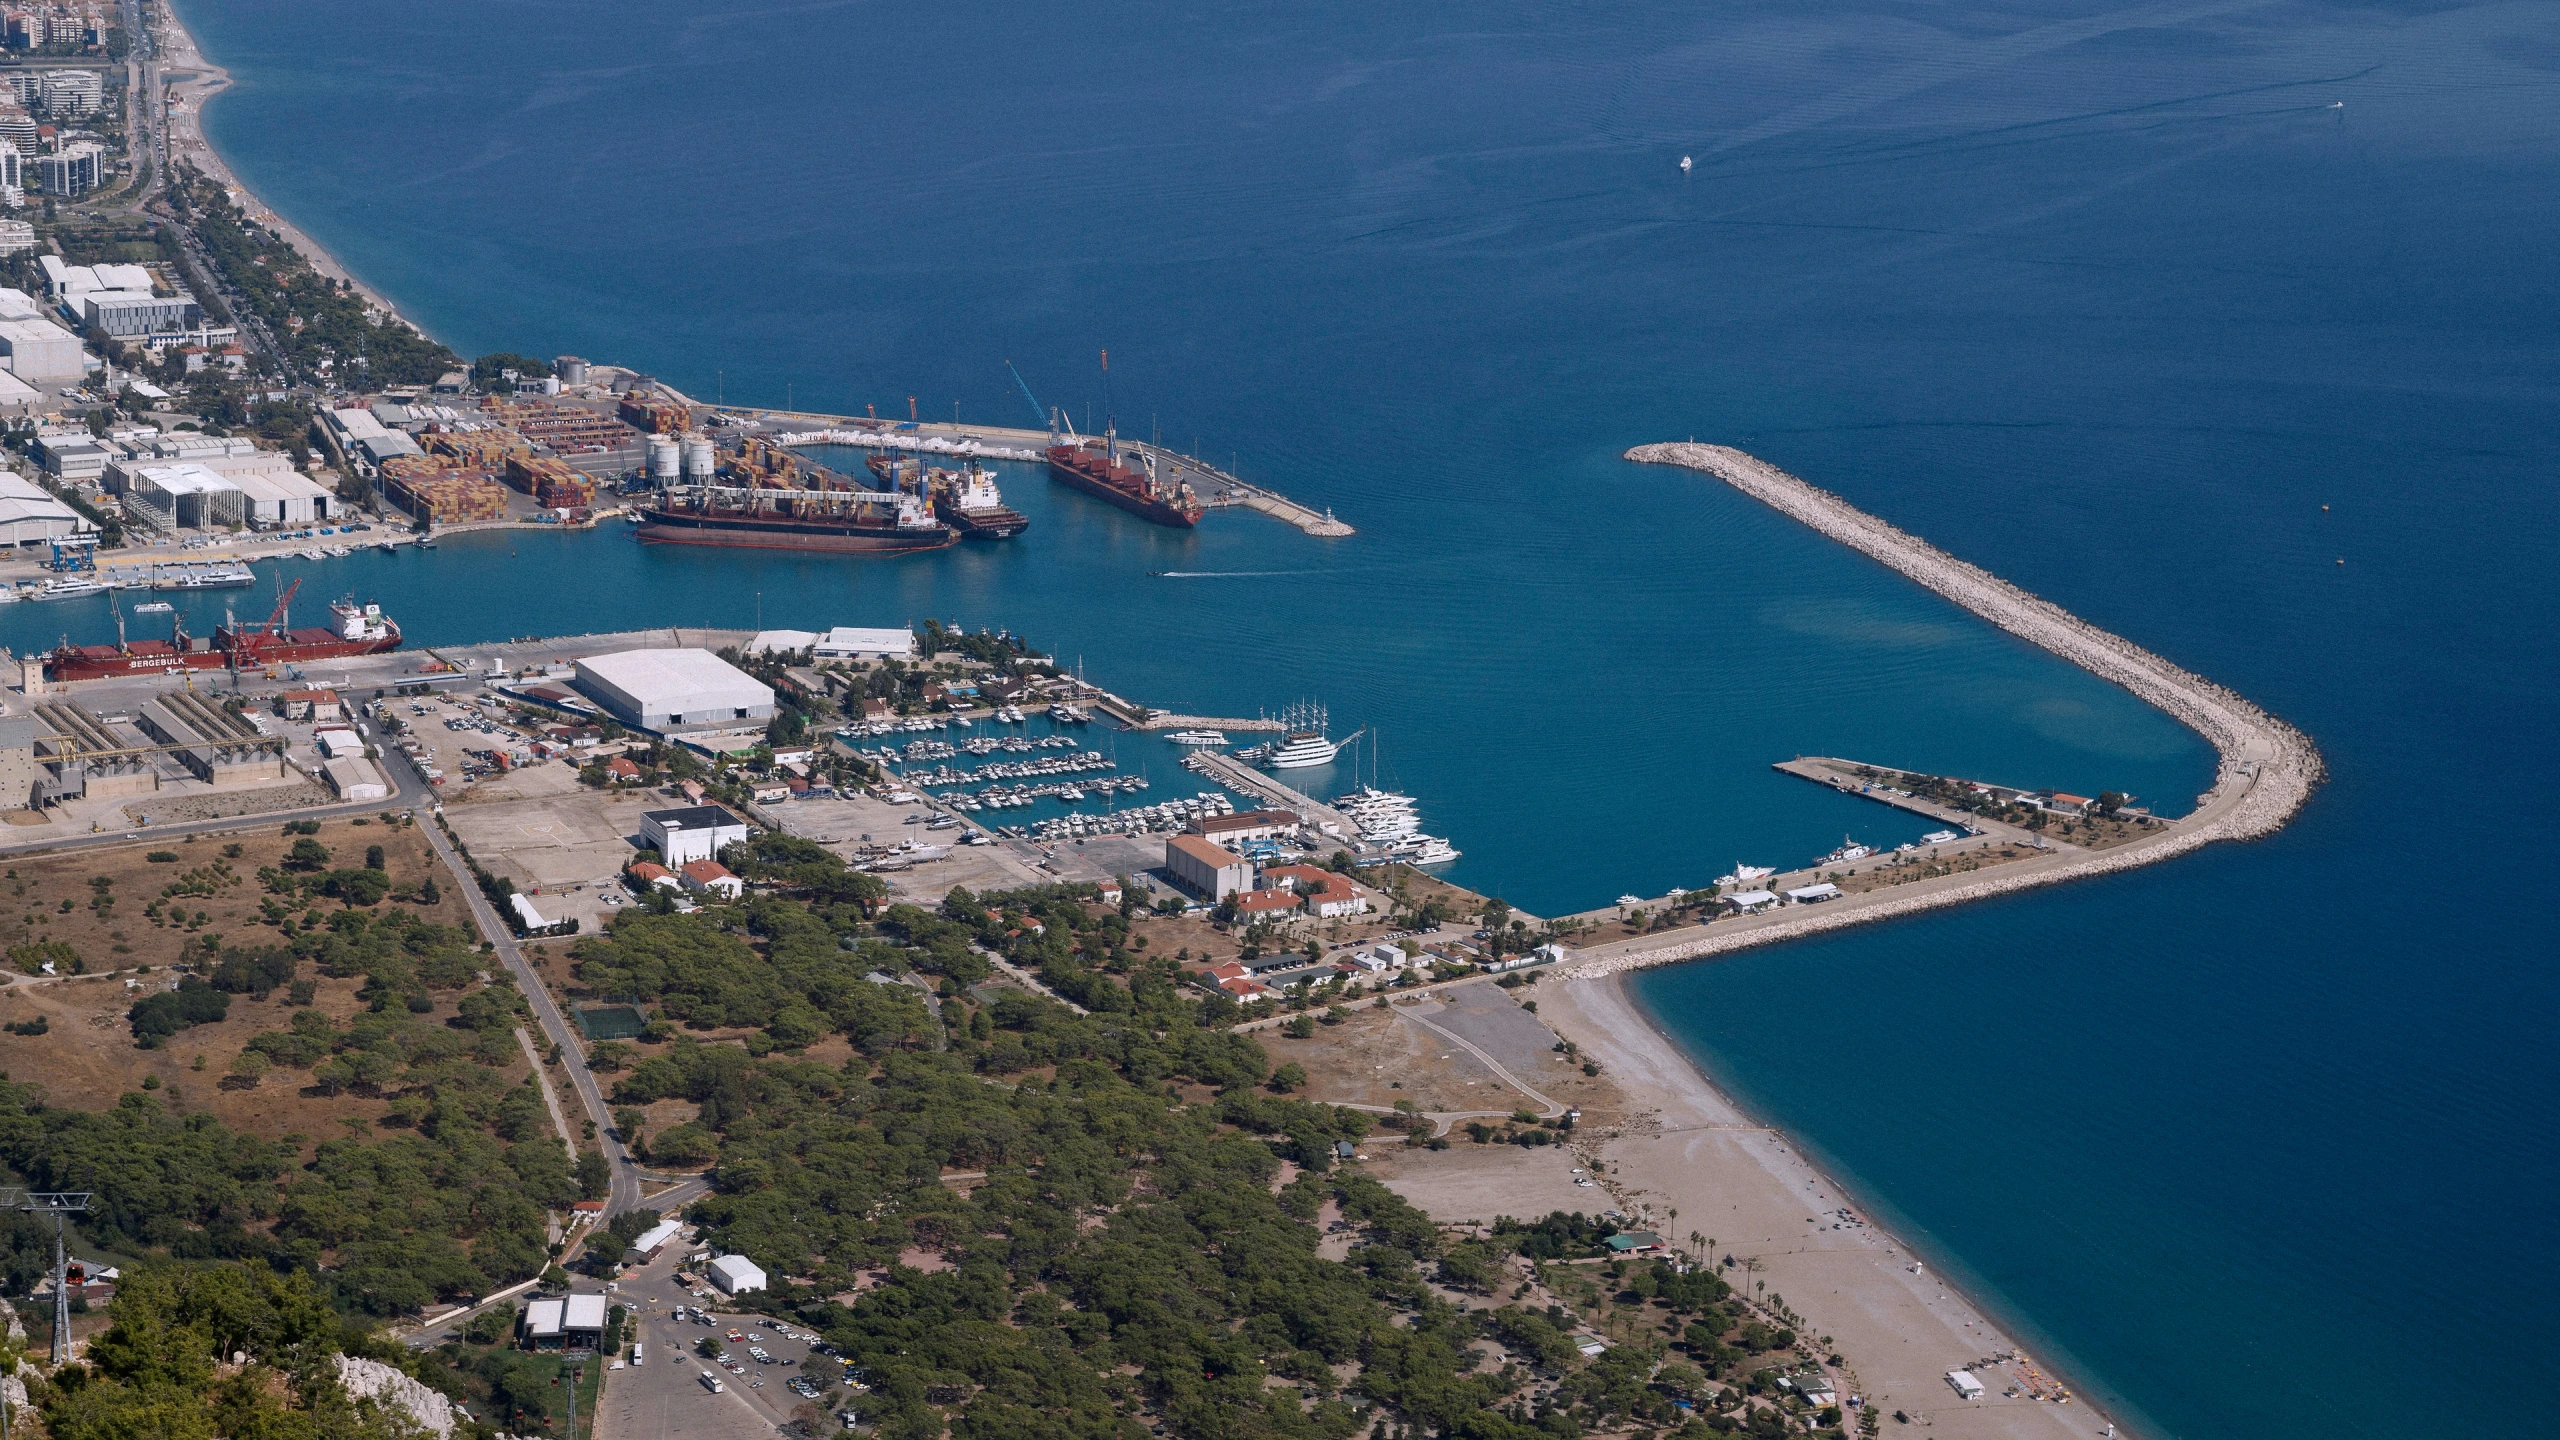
[{"x": 2267, "y": 768}]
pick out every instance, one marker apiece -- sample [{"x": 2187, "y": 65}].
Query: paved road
[{"x": 625, "y": 1194}]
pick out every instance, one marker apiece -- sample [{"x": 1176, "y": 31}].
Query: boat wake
[{"x": 1226, "y": 574}]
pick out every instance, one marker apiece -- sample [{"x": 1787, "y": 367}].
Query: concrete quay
[
  {"x": 2267, "y": 769},
  {"x": 1216, "y": 487},
  {"x": 1237, "y": 776}
]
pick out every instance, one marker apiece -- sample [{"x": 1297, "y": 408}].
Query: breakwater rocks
[{"x": 2267, "y": 768}]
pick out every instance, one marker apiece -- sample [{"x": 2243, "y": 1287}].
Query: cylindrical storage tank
[
  {"x": 573, "y": 371},
  {"x": 665, "y": 459},
  {"x": 699, "y": 462}
]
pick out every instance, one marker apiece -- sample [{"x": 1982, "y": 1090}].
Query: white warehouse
[
  {"x": 672, "y": 690},
  {"x": 736, "y": 1275}
]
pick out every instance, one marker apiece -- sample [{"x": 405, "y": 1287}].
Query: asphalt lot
[{"x": 664, "y": 1396}]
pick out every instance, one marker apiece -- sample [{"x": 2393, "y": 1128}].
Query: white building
[
  {"x": 645, "y": 1249},
  {"x": 184, "y": 496},
  {"x": 848, "y": 642},
  {"x": 33, "y": 348},
  {"x": 355, "y": 779},
  {"x": 72, "y": 92},
  {"x": 844, "y": 642},
  {"x": 736, "y": 1275},
  {"x": 277, "y": 499},
  {"x": 671, "y": 690},
  {"x": 696, "y": 832},
  {"x": 30, "y": 515}
]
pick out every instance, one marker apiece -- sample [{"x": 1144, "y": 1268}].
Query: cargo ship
[
  {"x": 1095, "y": 467},
  {"x": 353, "y": 630},
  {"x": 966, "y": 500},
  {"x": 841, "y": 522}
]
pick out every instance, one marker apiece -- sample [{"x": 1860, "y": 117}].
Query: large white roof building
[{"x": 671, "y": 690}]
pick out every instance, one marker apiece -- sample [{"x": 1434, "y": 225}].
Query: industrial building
[
  {"x": 32, "y": 347},
  {"x": 844, "y": 642},
  {"x": 129, "y": 314},
  {"x": 194, "y": 494},
  {"x": 79, "y": 756},
  {"x": 21, "y": 773},
  {"x": 695, "y": 832},
  {"x": 72, "y": 459},
  {"x": 651, "y": 1241},
  {"x": 31, "y": 515},
  {"x": 365, "y": 438},
  {"x": 215, "y": 745},
  {"x": 736, "y": 1275},
  {"x": 564, "y": 1322},
  {"x": 1204, "y": 869},
  {"x": 674, "y": 690},
  {"x": 354, "y": 779}
]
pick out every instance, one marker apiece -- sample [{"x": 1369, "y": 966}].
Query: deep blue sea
[{"x": 2160, "y": 310}]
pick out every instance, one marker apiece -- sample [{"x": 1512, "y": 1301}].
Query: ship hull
[
  {"x": 106, "y": 662},
  {"x": 984, "y": 524},
  {"x": 660, "y": 527},
  {"x": 1066, "y": 466}
]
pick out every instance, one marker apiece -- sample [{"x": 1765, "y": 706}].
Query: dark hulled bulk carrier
[{"x": 844, "y": 522}]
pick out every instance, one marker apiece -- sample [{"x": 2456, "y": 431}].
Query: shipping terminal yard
[{"x": 585, "y": 445}]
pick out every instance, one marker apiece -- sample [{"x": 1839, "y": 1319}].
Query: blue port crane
[{"x": 1043, "y": 420}]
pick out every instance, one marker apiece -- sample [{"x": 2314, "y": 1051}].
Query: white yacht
[
  {"x": 1301, "y": 748},
  {"x": 1198, "y": 737},
  {"x": 70, "y": 587},
  {"x": 1426, "y": 850}
]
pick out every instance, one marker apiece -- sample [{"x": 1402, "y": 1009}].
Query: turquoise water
[{"x": 2111, "y": 298}]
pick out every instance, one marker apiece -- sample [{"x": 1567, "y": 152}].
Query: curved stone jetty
[{"x": 2267, "y": 771}]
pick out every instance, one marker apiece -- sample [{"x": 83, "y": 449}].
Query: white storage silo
[
  {"x": 699, "y": 460},
  {"x": 665, "y": 459}
]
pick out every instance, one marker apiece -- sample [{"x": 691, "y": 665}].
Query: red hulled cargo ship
[
  {"x": 1095, "y": 467},
  {"x": 843, "y": 522},
  {"x": 353, "y": 630}
]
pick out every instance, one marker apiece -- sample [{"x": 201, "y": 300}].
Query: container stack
[
  {"x": 655, "y": 414},
  {"x": 433, "y": 489},
  {"x": 554, "y": 484},
  {"x": 476, "y": 449}
]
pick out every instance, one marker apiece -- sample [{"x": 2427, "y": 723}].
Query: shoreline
[
  {"x": 191, "y": 142},
  {"x": 2265, "y": 773},
  {"x": 1693, "y": 1148}
]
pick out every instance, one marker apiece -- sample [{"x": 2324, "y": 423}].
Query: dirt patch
[
  {"x": 916, "y": 1257},
  {"x": 1482, "y": 1183},
  {"x": 87, "y": 1055},
  {"x": 225, "y": 804},
  {"x": 1378, "y": 1057},
  {"x": 118, "y": 934}
]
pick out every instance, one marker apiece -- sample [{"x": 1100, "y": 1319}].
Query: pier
[
  {"x": 1237, "y": 776},
  {"x": 2267, "y": 771},
  {"x": 1217, "y": 488}
]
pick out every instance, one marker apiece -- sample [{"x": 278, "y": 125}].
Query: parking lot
[{"x": 664, "y": 1396}]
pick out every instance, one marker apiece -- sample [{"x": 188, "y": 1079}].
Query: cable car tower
[{"x": 56, "y": 1204}]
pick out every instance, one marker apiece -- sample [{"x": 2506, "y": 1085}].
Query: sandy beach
[
  {"x": 192, "y": 81},
  {"x": 1689, "y": 1148}
]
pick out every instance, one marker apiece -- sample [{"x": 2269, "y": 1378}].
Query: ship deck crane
[{"x": 56, "y": 1204}]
